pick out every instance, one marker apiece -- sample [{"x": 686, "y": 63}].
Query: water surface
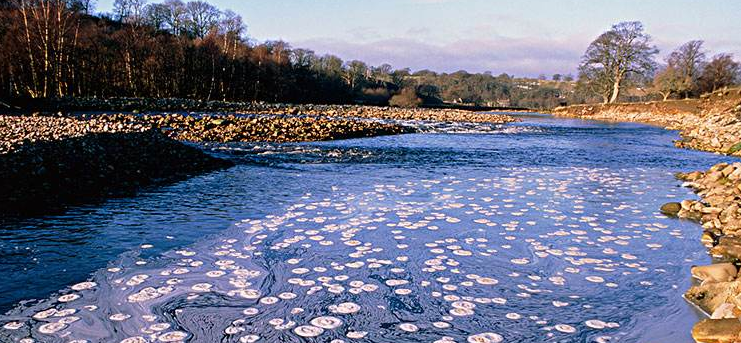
[{"x": 539, "y": 231}]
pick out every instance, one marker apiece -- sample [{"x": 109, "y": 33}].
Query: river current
[{"x": 546, "y": 230}]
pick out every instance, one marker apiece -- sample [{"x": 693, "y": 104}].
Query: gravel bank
[
  {"x": 48, "y": 162},
  {"x": 343, "y": 111}
]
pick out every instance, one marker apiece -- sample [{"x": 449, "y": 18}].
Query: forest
[{"x": 175, "y": 49}]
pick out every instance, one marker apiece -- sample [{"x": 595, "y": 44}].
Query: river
[{"x": 545, "y": 230}]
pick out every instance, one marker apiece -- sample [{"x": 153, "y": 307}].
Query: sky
[{"x": 519, "y": 37}]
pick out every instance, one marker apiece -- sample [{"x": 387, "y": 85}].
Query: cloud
[{"x": 522, "y": 57}]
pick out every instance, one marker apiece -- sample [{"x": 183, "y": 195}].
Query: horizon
[{"x": 477, "y": 36}]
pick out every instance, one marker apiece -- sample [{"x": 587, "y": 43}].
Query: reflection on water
[{"x": 545, "y": 230}]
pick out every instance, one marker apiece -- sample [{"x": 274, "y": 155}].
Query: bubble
[
  {"x": 487, "y": 281},
  {"x": 13, "y": 326},
  {"x": 45, "y": 314},
  {"x": 393, "y": 283},
  {"x": 50, "y": 328},
  {"x": 460, "y": 312},
  {"x": 248, "y": 293},
  {"x": 84, "y": 286},
  {"x": 346, "y": 308},
  {"x": 357, "y": 334},
  {"x": 269, "y": 300},
  {"x": 595, "y": 324},
  {"x": 308, "y": 331},
  {"x": 513, "y": 316},
  {"x": 68, "y": 297},
  {"x": 173, "y": 336},
  {"x": 408, "y": 327},
  {"x": 250, "y": 311},
  {"x": 560, "y": 304},
  {"x": 326, "y": 322},
  {"x": 520, "y": 261},
  {"x": 565, "y": 328},
  {"x": 202, "y": 287},
  {"x": 595, "y": 279},
  {"x": 486, "y": 337},
  {"x": 249, "y": 339},
  {"x": 119, "y": 317}
]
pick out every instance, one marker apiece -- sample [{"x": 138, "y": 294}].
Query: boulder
[
  {"x": 709, "y": 296},
  {"x": 719, "y": 272},
  {"x": 729, "y": 247},
  {"x": 717, "y": 331},
  {"x": 671, "y": 208}
]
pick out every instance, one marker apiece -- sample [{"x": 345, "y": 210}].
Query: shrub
[{"x": 407, "y": 98}]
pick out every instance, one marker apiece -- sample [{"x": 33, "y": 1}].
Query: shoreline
[
  {"x": 175, "y": 105},
  {"x": 712, "y": 124},
  {"x": 59, "y": 160},
  {"x": 47, "y": 163}
]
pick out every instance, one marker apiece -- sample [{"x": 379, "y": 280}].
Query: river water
[{"x": 545, "y": 230}]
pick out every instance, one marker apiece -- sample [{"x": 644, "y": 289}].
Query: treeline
[
  {"x": 58, "y": 48},
  {"x": 621, "y": 64}
]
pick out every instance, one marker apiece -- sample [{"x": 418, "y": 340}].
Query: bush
[{"x": 407, "y": 98}]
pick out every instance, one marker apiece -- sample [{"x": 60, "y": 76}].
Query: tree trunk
[{"x": 615, "y": 90}]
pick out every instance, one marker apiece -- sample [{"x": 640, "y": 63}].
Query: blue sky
[{"x": 521, "y": 37}]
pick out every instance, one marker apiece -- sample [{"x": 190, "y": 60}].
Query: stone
[
  {"x": 726, "y": 310},
  {"x": 717, "y": 331},
  {"x": 671, "y": 208},
  {"x": 708, "y": 296},
  {"x": 728, "y": 170},
  {"x": 719, "y": 272},
  {"x": 729, "y": 247}
]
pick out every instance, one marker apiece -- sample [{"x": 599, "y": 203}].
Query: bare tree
[
  {"x": 669, "y": 80},
  {"x": 202, "y": 17},
  {"x": 49, "y": 35},
  {"x": 303, "y": 58},
  {"x": 156, "y": 16},
  {"x": 721, "y": 71},
  {"x": 82, "y": 6},
  {"x": 687, "y": 62},
  {"x": 615, "y": 56},
  {"x": 176, "y": 16}
]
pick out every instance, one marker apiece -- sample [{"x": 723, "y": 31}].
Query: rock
[
  {"x": 708, "y": 296},
  {"x": 51, "y": 173},
  {"x": 726, "y": 310},
  {"x": 717, "y": 331},
  {"x": 671, "y": 208},
  {"x": 729, "y": 247},
  {"x": 728, "y": 170},
  {"x": 720, "y": 272}
]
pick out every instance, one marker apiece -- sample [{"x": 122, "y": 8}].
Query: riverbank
[
  {"x": 49, "y": 162},
  {"x": 712, "y": 123},
  {"x": 55, "y": 160},
  {"x": 718, "y": 288},
  {"x": 142, "y": 105}
]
